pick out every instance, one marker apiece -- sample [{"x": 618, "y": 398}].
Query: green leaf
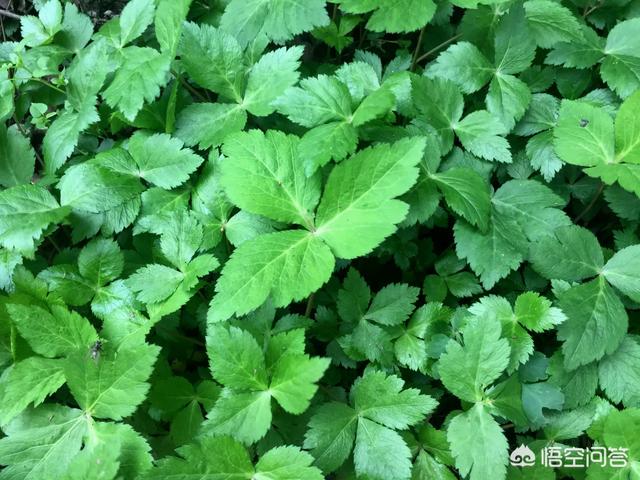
[
  {"x": 627, "y": 131},
  {"x": 623, "y": 271},
  {"x": 596, "y": 322},
  {"x": 551, "y": 23},
  {"x": 358, "y": 209},
  {"x": 143, "y": 71},
  {"x": 64, "y": 133},
  {"x": 536, "y": 313},
  {"x": 170, "y": 15},
  {"x": 375, "y": 105},
  {"x": 508, "y": 98},
  {"x": 478, "y": 444},
  {"x": 467, "y": 194},
  {"x": 264, "y": 175},
  {"x": 381, "y": 398},
  {"x": 101, "y": 261},
  {"x": 280, "y": 20},
  {"x": 466, "y": 370},
  {"x": 294, "y": 379},
  {"x": 584, "y": 134},
  {"x": 222, "y": 457},
  {"x": 208, "y": 124},
  {"x": 113, "y": 385},
  {"x": 332, "y": 141},
  {"x": 236, "y": 359},
  {"x": 380, "y": 452},
  {"x": 213, "y": 59},
  {"x": 162, "y": 160},
  {"x": 136, "y": 16},
  {"x": 391, "y": 17},
  {"x": 464, "y": 65},
  {"x": 54, "y": 334},
  {"x": 573, "y": 253},
  {"x": 50, "y": 437},
  {"x": 17, "y": 158},
  {"x": 26, "y": 382},
  {"x": 154, "y": 283},
  {"x": 440, "y": 103},
  {"x": 621, "y": 66},
  {"x": 332, "y": 431},
  {"x": 619, "y": 373},
  {"x": 316, "y": 101},
  {"x": 481, "y": 134},
  {"x": 269, "y": 78},
  {"x": 246, "y": 416},
  {"x": 393, "y": 304},
  {"x": 25, "y": 212},
  {"x": 287, "y": 266},
  {"x": 515, "y": 47}
]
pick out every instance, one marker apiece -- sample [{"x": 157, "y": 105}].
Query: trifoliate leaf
[{"x": 358, "y": 209}]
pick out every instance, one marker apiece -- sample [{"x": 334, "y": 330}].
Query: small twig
[
  {"x": 50, "y": 85},
  {"x": 591, "y": 204},
  {"x": 416, "y": 52},
  {"x": 438, "y": 47},
  {"x": 309, "y": 307},
  {"x": 7, "y": 13},
  {"x": 186, "y": 85}
]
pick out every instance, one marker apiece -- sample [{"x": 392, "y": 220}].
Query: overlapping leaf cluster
[{"x": 306, "y": 239}]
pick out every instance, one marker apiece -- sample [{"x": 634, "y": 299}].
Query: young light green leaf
[
  {"x": 55, "y": 334},
  {"x": 466, "y": 370},
  {"x": 264, "y": 175},
  {"x": 208, "y": 124},
  {"x": 136, "y": 16},
  {"x": 358, "y": 209},
  {"x": 478, "y": 444},
  {"x": 481, "y": 134},
  {"x": 269, "y": 78},
  {"x": 170, "y": 15},
  {"x": 464, "y": 65},
  {"x": 287, "y": 266},
  {"x": 584, "y": 134},
  {"x": 390, "y": 16}
]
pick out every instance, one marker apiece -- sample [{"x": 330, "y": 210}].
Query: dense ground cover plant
[{"x": 298, "y": 239}]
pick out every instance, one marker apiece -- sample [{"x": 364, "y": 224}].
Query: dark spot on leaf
[{"x": 584, "y": 122}]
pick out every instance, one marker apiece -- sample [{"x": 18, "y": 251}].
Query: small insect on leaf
[
  {"x": 96, "y": 349},
  {"x": 584, "y": 122}
]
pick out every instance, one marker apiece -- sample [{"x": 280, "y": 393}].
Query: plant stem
[
  {"x": 416, "y": 52},
  {"x": 309, "y": 307},
  {"x": 186, "y": 85},
  {"x": 50, "y": 85},
  {"x": 590, "y": 204},
  {"x": 438, "y": 47},
  {"x": 7, "y": 13}
]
